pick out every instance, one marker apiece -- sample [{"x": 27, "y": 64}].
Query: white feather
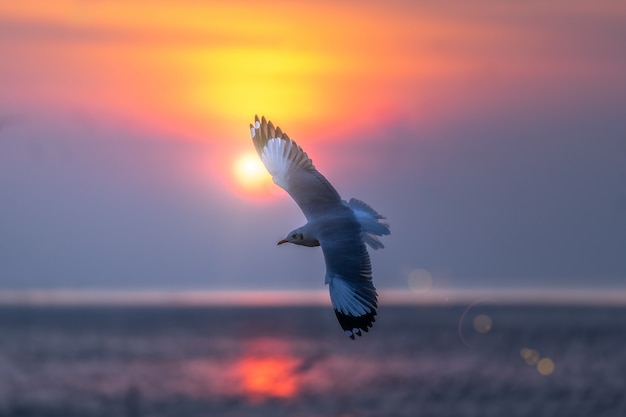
[
  {"x": 276, "y": 160},
  {"x": 346, "y": 301}
]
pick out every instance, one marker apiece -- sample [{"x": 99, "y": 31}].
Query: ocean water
[{"x": 488, "y": 360}]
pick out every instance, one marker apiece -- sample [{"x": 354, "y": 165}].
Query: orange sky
[
  {"x": 189, "y": 65},
  {"x": 201, "y": 68}
]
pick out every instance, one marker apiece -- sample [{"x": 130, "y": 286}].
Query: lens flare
[
  {"x": 530, "y": 356},
  {"x": 545, "y": 366},
  {"x": 482, "y": 323},
  {"x": 420, "y": 280}
]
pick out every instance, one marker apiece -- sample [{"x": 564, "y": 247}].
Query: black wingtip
[{"x": 352, "y": 325}]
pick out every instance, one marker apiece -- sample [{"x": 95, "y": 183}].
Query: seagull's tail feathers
[{"x": 371, "y": 223}]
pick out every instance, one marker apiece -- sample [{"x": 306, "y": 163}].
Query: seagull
[{"x": 341, "y": 228}]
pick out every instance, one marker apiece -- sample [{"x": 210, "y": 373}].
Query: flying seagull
[{"x": 341, "y": 228}]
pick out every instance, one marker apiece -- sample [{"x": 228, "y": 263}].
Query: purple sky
[
  {"x": 512, "y": 176},
  {"x": 536, "y": 200}
]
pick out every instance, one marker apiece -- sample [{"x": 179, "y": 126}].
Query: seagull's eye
[{"x": 294, "y": 236}]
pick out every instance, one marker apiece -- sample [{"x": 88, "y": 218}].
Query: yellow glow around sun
[
  {"x": 246, "y": 80},
  {"x": 251, "y": 176}
]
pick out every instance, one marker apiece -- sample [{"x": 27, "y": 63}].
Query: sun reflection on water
[
  {"x": 271, "y": 376},
  {"x": 267, "y": 369},
  {"x": 256, "y": 370}
]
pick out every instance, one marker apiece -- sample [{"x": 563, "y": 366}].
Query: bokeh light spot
[
  {"x": 420, "y": 280},
  {"x": 482, "y": 323},
  {"x": 530, "y": 356},
  {"x": 545, "y": 366}
]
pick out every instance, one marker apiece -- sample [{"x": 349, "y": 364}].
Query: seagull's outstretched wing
[
  {"x": 349, "y": 278},
  {"x": 348, "y": 267},
  {"x": 292, "y": 170}
]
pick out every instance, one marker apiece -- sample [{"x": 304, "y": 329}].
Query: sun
[{"x": 251, "y": 176}]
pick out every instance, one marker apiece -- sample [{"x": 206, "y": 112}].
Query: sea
[{"x": 478, "y": 360}]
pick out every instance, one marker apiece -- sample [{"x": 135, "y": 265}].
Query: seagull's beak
[{"x": 282, "y": 241}]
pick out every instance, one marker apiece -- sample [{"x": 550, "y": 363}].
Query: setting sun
[{"x": 251, "y": 176}]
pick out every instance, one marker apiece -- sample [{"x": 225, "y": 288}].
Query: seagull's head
[{"x": 299, "y": 236}]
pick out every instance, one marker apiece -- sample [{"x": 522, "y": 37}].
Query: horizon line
[{"x": 283, "y": 298}]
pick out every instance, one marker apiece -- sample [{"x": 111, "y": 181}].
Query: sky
[{"x": 492, "y": 134}]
